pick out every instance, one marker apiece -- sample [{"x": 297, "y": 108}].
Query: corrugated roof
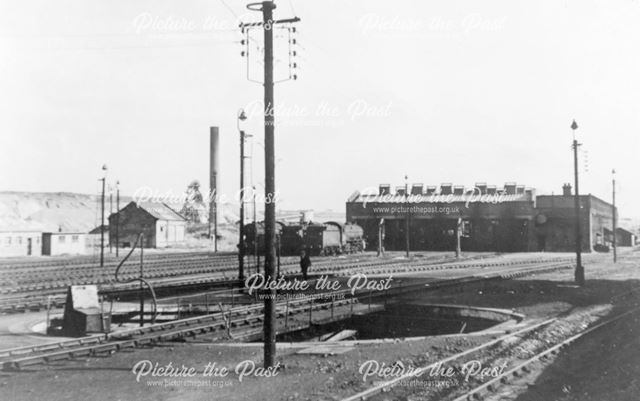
[{"x": 160, "y": 211}]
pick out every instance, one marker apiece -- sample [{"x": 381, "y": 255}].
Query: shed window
[
  {"x": 61, "y": 238},
  {"x": 19, "y": 240},
  {"x": 74, "y": 238}
]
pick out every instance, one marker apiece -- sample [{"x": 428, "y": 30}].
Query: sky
[{"x": 458, "y": 91}]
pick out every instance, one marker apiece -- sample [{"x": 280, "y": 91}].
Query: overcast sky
[{"x": 443, "y": 91}]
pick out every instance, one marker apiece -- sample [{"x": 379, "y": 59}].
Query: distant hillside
[
  {"x": 70, "y": 212},
  {"x": 49, "y": 211}
]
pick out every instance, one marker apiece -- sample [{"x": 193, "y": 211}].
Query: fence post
[
  {"x": 286, "y": 314},
  {"x": 49, "y": 309},
  {"x": 352, "y": 302},
  {"x": 310, "y": 309},
  {"x": 332, "y": 307},
  {"x": 232, "y": 298},
  {"x": 369, "y": 299}
]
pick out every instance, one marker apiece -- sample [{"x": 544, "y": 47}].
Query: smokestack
[
  {"x": 213, "y": 186},
  {"x": 566, "y": 189}
]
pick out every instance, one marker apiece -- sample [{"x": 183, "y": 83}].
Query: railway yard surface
[{"x": 486, "y": 326}]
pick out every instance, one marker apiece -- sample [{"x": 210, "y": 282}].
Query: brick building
[
  {"x": 492, "y": 219},
  {"x": 162, "y": 226},
  {"x": 625, "y": 237},
  {"x": 495, "y": 219},
  {"x": 556, "y": 222}
]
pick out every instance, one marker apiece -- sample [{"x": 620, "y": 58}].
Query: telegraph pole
[
  {"x": 615, "y": 247},
  {"x": 270, "y": 322},
  {"x": 579, "y": 273}
]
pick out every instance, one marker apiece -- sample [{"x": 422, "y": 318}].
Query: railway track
[
  {"x": 242, "y": 320},
  {"x": 519, "y": 366},
  {"x": 246, "y": 319},
  {"x": 50, "y": 293},
  {"x": 523, "y": 367}
]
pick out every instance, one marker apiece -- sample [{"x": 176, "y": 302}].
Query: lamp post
[
  {"x": 241, "y": 117},
  {"x": 110, "y": 213},
  {"x": 579, "y": 273},
  {"x": 117, "y": 215},
  {"x": 255, "y": 231},
  {"x": 406, "y": 218},
  {"x": 103, "y": 179},
  {"x": 613, "y": 243}
]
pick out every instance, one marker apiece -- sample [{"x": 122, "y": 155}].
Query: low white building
[
  {"x": 64, "y": 243},
  {"x": 20, "y": 243}
]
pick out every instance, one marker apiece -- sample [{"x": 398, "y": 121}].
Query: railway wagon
[
  {"x": 292, "y": 239},
  {"x": 330, "y": 238},
  {"x": 254, "y": 237},
  {"x": 353, "y": 238},
  {"x": 323, "y": 239}
]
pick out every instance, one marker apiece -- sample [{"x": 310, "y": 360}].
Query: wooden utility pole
[
  {"x": 270, "y": 321},
  {"x": 270, "y": 262}
]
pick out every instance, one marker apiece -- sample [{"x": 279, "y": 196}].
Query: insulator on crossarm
[
  {"x": 243, "y": 53},
  {"x": 295, "y": 77}
]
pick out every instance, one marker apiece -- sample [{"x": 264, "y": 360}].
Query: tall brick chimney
[{"x": 566, "y": 189}]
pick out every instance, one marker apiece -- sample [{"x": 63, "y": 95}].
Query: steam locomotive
[{"x": 330, "y": 238}]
